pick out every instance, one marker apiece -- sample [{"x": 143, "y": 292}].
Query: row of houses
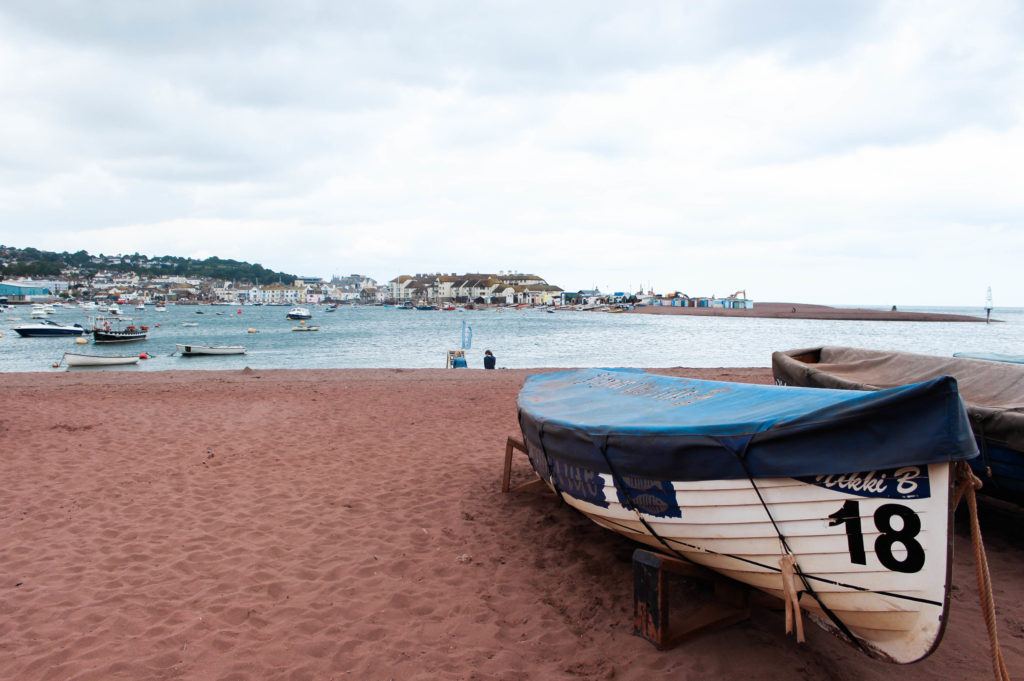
[
  {"x": 304, "y": 290},
  {"x": 503, "y": 288},
  {"x": 509, "y": 288},
  {"x": 735, "y": 301}
]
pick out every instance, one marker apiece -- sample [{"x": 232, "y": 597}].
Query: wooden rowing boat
[
  {"x": 186, "y": 350},
  {"x": 854, "y": 488},
  {"x": 74, "y": 359}
]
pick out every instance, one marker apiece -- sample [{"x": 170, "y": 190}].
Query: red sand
[
  {"x": 347, "y": 525},
  {"x": 804, "y": 311}
]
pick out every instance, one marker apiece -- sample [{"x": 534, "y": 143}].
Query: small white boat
[
  {"x": 192, "y": 350},
  {"x": 159, "y": 308},
  {"x": 299, "y": 312},
  {"x": 140, "y": 306},
  {"x": 74, "y": 359},
  {"x": 114, "y": 309},
  {"x": 305, "y": 328},
  {"x": 190, "y": 323}
]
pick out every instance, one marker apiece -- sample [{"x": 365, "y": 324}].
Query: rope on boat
[
  {"x": 620, "y": 485},
  {"x": 789, "y": 554},
  {"x": 794, "y": 615},
  {"x": 968, "y": 484}
]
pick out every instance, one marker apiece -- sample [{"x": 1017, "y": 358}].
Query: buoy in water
[
  {"x": 143, "y": 355},
  {"x": 239, "y": 310},
  {"x": 80, "y": 341},
  {"x": 252, "y": 330}
]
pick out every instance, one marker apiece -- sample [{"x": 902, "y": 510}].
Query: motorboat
[
  {"x": 837, "y": 501},
  {"x": 190, "y": 324},
  {"x": 114, "y": 309},
  {"x": 186, "y": 350},
  {"x": 304, "y": 327},
  {"x": 299, "y": 312},
  {"x": 45, "y": 327},
  {"x": 105, "y": 332},
  {"x": 74, "y": 359},
  {"x": 160, "y": 308}
]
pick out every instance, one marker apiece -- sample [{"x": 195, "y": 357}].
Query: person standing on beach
[{"x": 489, "y": 359}]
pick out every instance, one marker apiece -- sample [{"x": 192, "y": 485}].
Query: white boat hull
[
  {"x": 73, "y": 360},
  {"x": 882, "y": 577},
  {"x": 190, "y": 350}
]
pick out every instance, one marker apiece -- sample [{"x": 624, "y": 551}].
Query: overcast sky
[{"x": 853, "y": 152}]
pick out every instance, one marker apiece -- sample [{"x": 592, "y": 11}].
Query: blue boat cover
[{"x": 668, "y": 428}]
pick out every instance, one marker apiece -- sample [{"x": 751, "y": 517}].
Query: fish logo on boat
[
  {"x": 907, "y": 482},
  {"x": 650, "y": 497},
  {"x": 581, "y": 483}
]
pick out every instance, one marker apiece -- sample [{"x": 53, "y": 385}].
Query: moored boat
[
  {"x": 45, "y": 327},
  {"x": 993, "y": 392},
  {"x": 299, "y": 312},
  {"x": 839, "y": 498},
  {"x": 117, "y": 332},
  {"x": 991, "y": 357},
  {"x": 74, "y": 359},
  {"x": 186, "y": 350}
]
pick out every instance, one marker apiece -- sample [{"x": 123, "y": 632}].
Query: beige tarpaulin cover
[{"x": 993, "y": 392}]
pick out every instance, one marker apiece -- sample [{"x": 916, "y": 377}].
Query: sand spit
[
  {"x": 804, "y": 311},
  {"x": 347, "y": 524}
]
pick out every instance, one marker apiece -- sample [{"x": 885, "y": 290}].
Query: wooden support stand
[
  {"x": 716, "y": 602},
  {"x": 511, "y": 445}
]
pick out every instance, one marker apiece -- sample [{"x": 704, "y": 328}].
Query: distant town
[{"x": 30, "y": 275}]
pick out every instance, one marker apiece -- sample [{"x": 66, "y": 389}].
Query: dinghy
[
  {"x": 994, "y": 393},
  {"x": 193, "y": 350},
  {"x": 991, "y": 357},
  {"x": 73, "y": 359},
  {"x": 838, "y": 499}
]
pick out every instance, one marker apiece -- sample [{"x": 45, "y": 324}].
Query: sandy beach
[
  {"x": 348, "y": 524},
  {"x": 806, "y": 311}
]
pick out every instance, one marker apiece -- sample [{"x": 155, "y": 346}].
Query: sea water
[{"x": 364, "y": 337}]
